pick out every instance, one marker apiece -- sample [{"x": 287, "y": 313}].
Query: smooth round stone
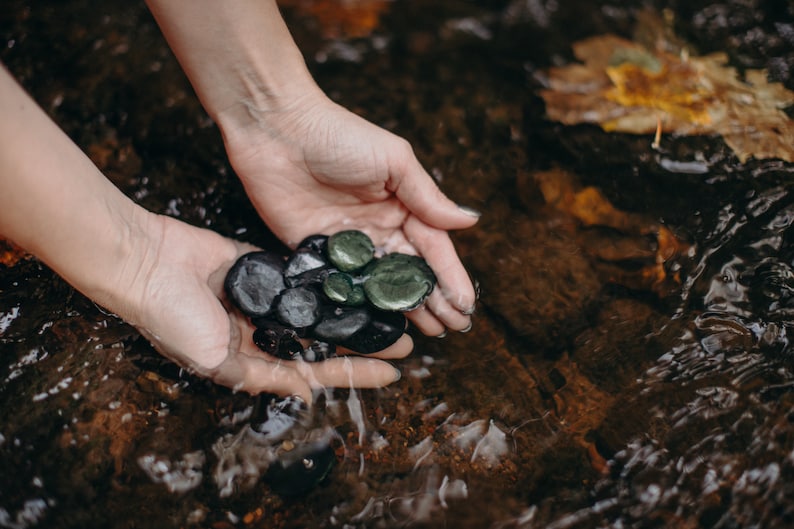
[
  {"x": 298, "y": 307},
  {"x": 279, "y": 341},
  {"x": 383, "y": 330},
  {"x": 309, "y": 277},
  {"x": 340, "y": 324},
  {"x": 398, "y": 282},
  {"x": 339, "y": 288},
  {"x": 254, "y": 282},
  {"x": 350, "y": 250},
  {"x": 301, "y": 261},
  {"x": 301, "y": 469},
  {"x": 317, "y": 243}
]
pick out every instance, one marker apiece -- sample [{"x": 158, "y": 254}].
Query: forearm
[
  {"x": 238, "y": 55},
  {"x": 56, "y": 204}
]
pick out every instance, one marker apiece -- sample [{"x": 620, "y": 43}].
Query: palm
[
  {"x": 337, "y": 171},
  {"x": 183, "y": 314}
]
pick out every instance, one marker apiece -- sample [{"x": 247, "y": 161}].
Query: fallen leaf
[
  {"x": 625, "y": 87},
  {"x": 342, "y": 18},
  {"x": 589, "y": 206}
]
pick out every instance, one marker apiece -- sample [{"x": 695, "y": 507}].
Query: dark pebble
[
  {"x": 298, "y": 307},
  {"x": 339, "y": 324},
  {"x": 303, "y": 260},
  {"x": 383, "y": 330},
  {"x": 254, "y": 282}
]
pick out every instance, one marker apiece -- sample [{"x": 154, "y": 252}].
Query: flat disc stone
[
  {"x": 317, "y": 242},
  {"x": 298, "y": 307},
  {"x": 254, "y": 281},
  {"x": 350, "y": 250},
  {"x": 398, "y": 282},
  {"x": 340, "y": 324},
  {"x": 340, "y": 288},
  {"x": 303, "y": 260},
  {"x": 383, "y": 330}
]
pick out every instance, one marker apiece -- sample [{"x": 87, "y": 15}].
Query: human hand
[
  {"x": 178, "y": 304},
  {"x": 314, "y": 167}
]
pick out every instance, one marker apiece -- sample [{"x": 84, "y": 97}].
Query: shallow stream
[{"x": 597, "y": 388}]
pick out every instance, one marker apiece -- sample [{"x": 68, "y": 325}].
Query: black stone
[
  {"x": 301, "y": 261},
  {"x": 317, "y": 243},
  {"x": 301, "y": 469},
  {"x": 278, "y": 340},
  {"x": 298, "y": 307},
  {"x": 383, "y": 330},
  {"x": 254, "y": 282},
  {"x": 339, "y": 324}
]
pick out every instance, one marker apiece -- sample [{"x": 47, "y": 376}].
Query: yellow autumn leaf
[{"x": 625, "y": 87}]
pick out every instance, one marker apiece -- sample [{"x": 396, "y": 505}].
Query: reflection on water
[{"x": 588, "y": 394}]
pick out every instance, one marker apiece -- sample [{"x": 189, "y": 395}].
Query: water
[{"x": 585, "y": 395}]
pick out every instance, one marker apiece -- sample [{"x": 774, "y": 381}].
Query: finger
[
  {"x": 449, "y": 316},
  {"x": 348, "y": 372},
  {"x": 420, "y": 194},
  {"x": 255, "y": 375},
  {"x": 399, "y": 349},
  {"x": 426, "y": 322},
  {"x": 437, "y": 249}
]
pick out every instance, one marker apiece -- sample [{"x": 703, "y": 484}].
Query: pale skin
[{"x": 308, "y": 166}]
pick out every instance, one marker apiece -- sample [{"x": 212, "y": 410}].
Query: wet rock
[
  {"x": 383, "y": 330},
  {"x": 341, "y": 288},
  {"x": 350, "y": 250},
  {"x": 254, "y": 282},
  {"x": 300, "y": 263},
  {"x": 320, "y": 279},
  {"x": 398, "y": 282},
  {"x": 277, "y": 340},
  {"x": 298, "y": 307},
  {"x": 339, "y": 324}
]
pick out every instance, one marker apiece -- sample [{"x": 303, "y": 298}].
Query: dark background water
[{"x": 583, "y": 396}]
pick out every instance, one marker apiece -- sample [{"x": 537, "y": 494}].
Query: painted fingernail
[
  {"x": 442, "y": 335},
  {"x": 397, "y": 375},
  {"x": 471, "y": 212},
  {"x": 468, "y": 327}
]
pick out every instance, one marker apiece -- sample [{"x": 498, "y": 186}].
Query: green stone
[
  {"x": 341, "y": 288},
  {"x": 398, "y": 282},
  {"x": 338, "y": 287},
  {"x": 350, "y": 250}
]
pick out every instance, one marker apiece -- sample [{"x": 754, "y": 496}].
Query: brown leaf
[{"x": 625, "y": 87}]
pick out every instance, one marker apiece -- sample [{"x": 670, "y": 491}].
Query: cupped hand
[
  {"x": 177, "y": 302},
  {"x": 314, "y": 167}
]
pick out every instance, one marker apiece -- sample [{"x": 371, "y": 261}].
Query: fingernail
[
  {"x": 397, "y": 375},
  {"x": 471, "y": 212},
  {"x": 469, "y": 311},
  {"x": 442, "y": 335},
  {"x": 468, "y": 327}
]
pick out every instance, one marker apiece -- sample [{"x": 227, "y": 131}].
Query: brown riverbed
[{"x": 632, "y": 372}]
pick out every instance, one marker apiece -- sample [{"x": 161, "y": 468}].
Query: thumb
[{"x": 420, "y": 194}]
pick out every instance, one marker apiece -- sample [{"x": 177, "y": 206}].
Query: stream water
[{"x": 586, "y": 395}]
